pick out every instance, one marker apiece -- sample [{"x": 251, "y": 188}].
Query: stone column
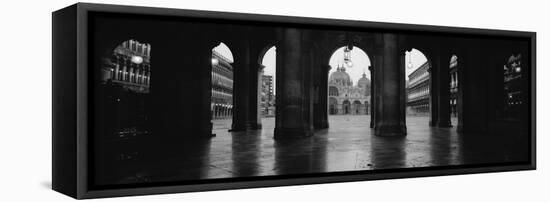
[
  {"x": 178, "y": 117},
  {"x": 320, "y": 118},
  {"x": 442, "y": 62},
  {"x": 294, "y": 86},
  {"x": 241, "y": 86},
  {"x": 434, "y": 93},
  {"x": 472, "y": 92},
  {"x": 371, "y": 102},
  {"x": 254, "y": 116},
  {"x": 390, "y": 82}
]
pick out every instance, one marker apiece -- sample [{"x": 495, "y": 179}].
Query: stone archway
[
  {"x": 357, "y": 109},
  {"x": 333, "y": 106},
  {"x": 346, "y": 107}
]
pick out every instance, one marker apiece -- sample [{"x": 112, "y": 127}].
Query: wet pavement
[{"x": 348, "y": 145}]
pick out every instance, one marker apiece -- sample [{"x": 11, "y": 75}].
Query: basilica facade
[{"x": 346, "y": 98}]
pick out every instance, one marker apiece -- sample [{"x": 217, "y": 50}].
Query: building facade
[
  {"x": 125, "y": 87},
  {"x": 418, "y": 91},
  {"x": 514, "y": 93},
  {"x": 222, "y": 87},
  {"x": 267, "y": 97},
  {"x": 346, "y": 98},
  {"x": 129, "y": 67},
  {"x": 453, "y": 95},
  {"x": 124, "y": 97}
]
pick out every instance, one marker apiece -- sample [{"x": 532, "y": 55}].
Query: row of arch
[{"x": 260, "y": 55}]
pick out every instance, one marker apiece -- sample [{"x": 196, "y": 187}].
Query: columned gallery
[{"x": 180, "y": 94}]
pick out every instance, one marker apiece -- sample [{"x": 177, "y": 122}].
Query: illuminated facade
[
  {"x": 222, "y": 87},
  {"x": 267, "y": 96},
  {"x": 418, "y": 91},
  {"x": 513, "y": 84},
  {"x": 346, "y": 98},
  {"x": 129, "y": 66},
  {"x": 453, "y": 95}
]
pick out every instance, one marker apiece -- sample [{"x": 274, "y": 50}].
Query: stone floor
[{"x": 348, "y": 145}]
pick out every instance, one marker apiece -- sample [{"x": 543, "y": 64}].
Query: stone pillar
[
  {"x": 390, "y": 82},
  {"x": 241, "y": 86},
  {"x": 434, "y": 93},
  {"x": 371, "y": 102},
  {"x": 294, "y": 85},
  {"x": 254, "y": 116},
  {"x": 178, "y": 117},
  {"x": 472, "y": 92},
  {"x": 442, "y": 62},
  {"x": 320, "y": 118}
]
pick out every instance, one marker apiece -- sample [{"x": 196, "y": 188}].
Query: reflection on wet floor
[{"x": 348, "y": 145}]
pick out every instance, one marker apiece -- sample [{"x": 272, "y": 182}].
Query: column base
[
  {"x": 444, "y": 124},
  {"x": 207, "y": 132},
  {"x": 245, "y": 127},
  {"x": 390, "y": 130},
  {"x": 291, "y": 133},
  {"x": 321, "y": 125},
  {"x": 255, "y": 126},
  {"x": 240, "y": 127}
]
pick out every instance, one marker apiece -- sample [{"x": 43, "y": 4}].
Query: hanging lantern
[{"x": 347, "y": 57}]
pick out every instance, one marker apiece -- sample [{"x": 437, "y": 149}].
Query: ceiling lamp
[{"x": 347, "y": 56}]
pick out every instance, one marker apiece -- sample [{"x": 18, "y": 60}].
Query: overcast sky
[{"x": 360, "y": 59}]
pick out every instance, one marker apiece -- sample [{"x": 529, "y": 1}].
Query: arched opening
[
  {"x": 346, "y": 107},
  {"x": 357, "y": 107},
  {"x": 333, "y": 91},
  {"x": 417, "y": 81},
  {"x": 349, "y": 79},
  {"x": 453, "y": 91},
  {"x": 121, "y": 103},
  {"x": 125, "y": 78},
  {"x": 221, "y": 102},
  {"x": 267, "y": 93},
  {"x": 333, "y": 106}
]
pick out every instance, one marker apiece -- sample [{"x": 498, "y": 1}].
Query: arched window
[{"x": 333, "y": 91}]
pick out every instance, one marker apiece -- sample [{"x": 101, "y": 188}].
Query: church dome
[
  {"x": 363, "y": 81},
  {"x": 340, "y": 76}
]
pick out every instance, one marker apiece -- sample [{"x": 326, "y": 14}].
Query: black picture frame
[{"x": 72, "y": 104}]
